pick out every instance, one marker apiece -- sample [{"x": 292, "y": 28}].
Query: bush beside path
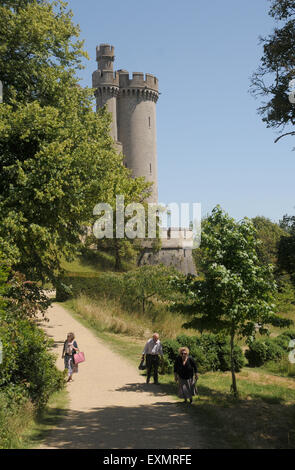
[{"x": 111, "y": 406}]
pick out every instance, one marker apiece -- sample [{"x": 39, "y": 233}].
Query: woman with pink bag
[{"x": 69, "y": 350}]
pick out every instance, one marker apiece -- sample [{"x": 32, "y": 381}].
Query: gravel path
[{"x": 111, "y": 406}]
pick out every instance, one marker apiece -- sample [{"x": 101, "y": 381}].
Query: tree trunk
[
  {"x": 234, "y": 382},
  {"x": 141, "y": 255},
  {"x": 118, "y": 264}
]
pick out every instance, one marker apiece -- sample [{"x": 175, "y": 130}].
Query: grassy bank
[
  {"x": 24, "y": 428},
  {"x": 45, "y": 421},
  {"x": 263, "y": 416},
  {"x": 124, "y": 321}
]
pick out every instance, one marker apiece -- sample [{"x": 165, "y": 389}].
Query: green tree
[
  {"x": 40, "y": 50},
  {"x": 277, "y": 68},
  {"x": 134, "y": 190},
  {"x": 276, "y": 247},
  {"x": 269, "y": 233},
  {"x": 236, "y": 294},
  {"x": 286, "y": 250},
  {"x": 57, "y": 159},
  {"x": 288, "y": 224},
  {"x": 146, "y": 282}
]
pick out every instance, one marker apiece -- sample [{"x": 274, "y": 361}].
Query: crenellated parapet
[
  {"x": 105, "y": 50},
  {"x": 141, "y": 85},
  {"x": 104, "y": 79},
  {"x": 105, "y": 82},
  {"x": 105, "y": 56}
]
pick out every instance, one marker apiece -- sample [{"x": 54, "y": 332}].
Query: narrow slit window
[
  {"x": 149, "y": 122},
  {"x": 150, "y": 168}
]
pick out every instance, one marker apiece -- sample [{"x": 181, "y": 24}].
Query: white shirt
[{"x": 153, "y": 348}]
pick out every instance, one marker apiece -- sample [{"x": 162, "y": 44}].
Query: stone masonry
[{"x": 132, "y": 103}]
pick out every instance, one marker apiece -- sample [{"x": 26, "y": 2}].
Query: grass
[
  {"x": 15, "y": 419},
  {"x": 45, "y": 421},
  {"x": 282, "y": 368},
  {"x": 262, "y": 418},
  {"x": 25, "y": 429},
  {"x": 94, "y": 262},
  {"x": 123, "y": 321}
]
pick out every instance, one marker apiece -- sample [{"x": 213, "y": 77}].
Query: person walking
[
  {"x": 186, "y": 375},
  {"x": 69, "y": 350},
  {"x": 152, "y": 351}
]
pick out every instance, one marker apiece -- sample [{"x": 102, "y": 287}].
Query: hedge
[
  {"x": 271, "y": 349},
  {"x": 211, "y": 352}
]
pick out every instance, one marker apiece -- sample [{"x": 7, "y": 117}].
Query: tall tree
[
  {"x": 286, "y": 250},
  {"x": 269, "y": 234},
  {"x": 235, "y": 295},
  {"x": 277, "y": 68},
  {"x": 40, "y": 50},
  {"x": 57, "y": 159},
  {"x": 147, "y": 282}
]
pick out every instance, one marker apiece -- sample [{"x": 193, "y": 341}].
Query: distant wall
[{"x": 180, "y": 259}]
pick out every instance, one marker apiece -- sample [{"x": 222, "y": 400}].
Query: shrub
[
  {"x": 170, "y": 349},
  {"x": 63, "y": 292},
  {"x": 282, "y": 341},
  {"x": 27, "y": 361},
  {"x": 105, "y": 285},
  {"x": 211, "y": 352},
  {"x": 285, "y": 338},
  {"x": 224, "y": 357},
  {"x": 270, "y": 349},
  {"x": 16, "y": 412},
  {"x": 262, "y": 351},
  {"x": 188, "y": 341},
  {"x": 209, "y": 345}
]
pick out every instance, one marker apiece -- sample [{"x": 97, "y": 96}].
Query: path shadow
[
  {"x": 157, "y": 390},
  {"x": 57, "y": 343},
  {"x": 157, "y": 426},
  {"x": 259, "y": 421}
]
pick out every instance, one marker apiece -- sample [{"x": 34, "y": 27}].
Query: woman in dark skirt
[{"x": 186, "y": 374}]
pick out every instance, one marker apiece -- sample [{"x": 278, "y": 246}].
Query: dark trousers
[{"x": 152, "y": 364}]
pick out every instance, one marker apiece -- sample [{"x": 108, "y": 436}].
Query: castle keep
[{"x": 132, "y": 102}]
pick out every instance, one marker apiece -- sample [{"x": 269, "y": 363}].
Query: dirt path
[{"x": 111, "y": 407}]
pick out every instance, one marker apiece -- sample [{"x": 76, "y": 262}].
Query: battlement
[
  {"x": 138, "y": 80},
  {"x": 105, "y": 50},
  {"x": 105, "y": 78},
  {"x": 177, "y": 237}
]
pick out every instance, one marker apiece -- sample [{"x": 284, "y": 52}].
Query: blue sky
[{"x": 212, "y": 146}]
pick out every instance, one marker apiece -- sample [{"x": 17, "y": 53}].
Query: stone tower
[
  {"x": 132, "y": 102},
  {"x": 106, "y": 83}
]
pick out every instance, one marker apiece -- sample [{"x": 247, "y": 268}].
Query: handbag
[
  {"x": 142, "y": 365},
  {"x": 79, "y": 357}
]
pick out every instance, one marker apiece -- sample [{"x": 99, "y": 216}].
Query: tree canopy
[
  {"x": 57, "y": 159},
  {"x": 269, "y": 233},
  {"x": 271, "y": 81},
  {"x": 236, "y": 295}
]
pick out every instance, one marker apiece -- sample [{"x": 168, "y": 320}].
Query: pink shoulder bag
[{"x": 79, "y": 357}]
